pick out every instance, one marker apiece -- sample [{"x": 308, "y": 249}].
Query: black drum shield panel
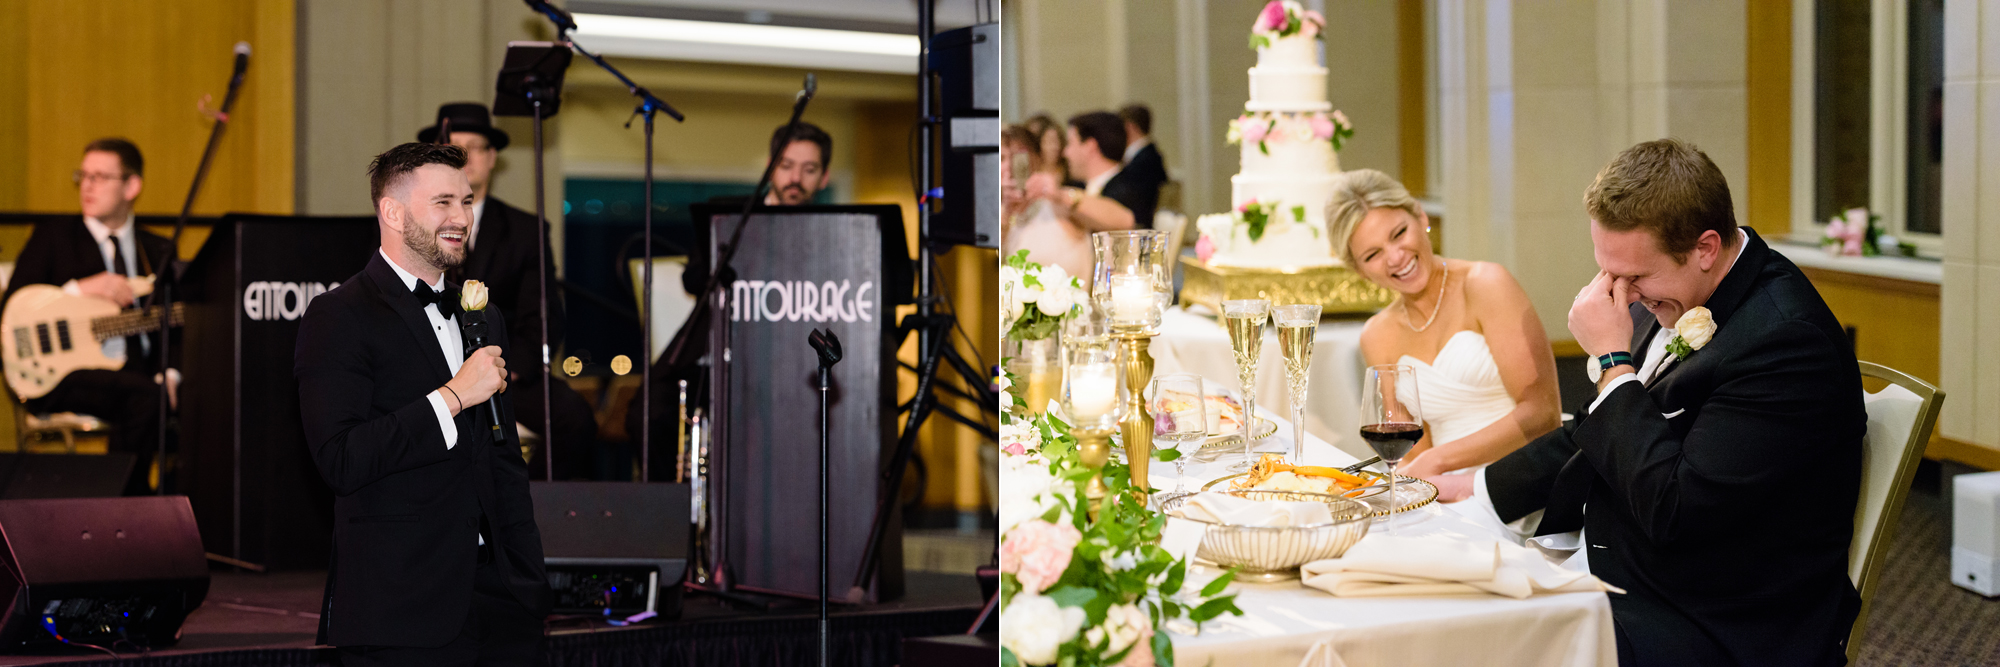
[{"x": 843, "y": 268}]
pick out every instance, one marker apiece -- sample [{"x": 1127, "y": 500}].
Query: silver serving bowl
[{"x": 1265, "y": 554}]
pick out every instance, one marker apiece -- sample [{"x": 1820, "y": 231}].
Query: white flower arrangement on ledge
[{"x": 1034, "y": 299}]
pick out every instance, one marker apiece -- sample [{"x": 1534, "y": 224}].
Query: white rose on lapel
[
  {"x": 1691, "y": 333},
  {"x": 472, "y": 295}
]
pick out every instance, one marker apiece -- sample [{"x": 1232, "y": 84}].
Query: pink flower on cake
[
  {"x": 1204, "y": 248},
  {"x": 1247, "y": 205},
  {"x": 1036, "y": 552},
  {"x": 1341, "y": 118},
  {"x": 1312, "y": 23},
  {"x": 1254, "y": 130},
  {"x": 1272, "y": 18},
  {"x": 1322, "y": 126}
]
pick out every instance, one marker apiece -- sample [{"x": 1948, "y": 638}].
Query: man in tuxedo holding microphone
[
  {"x": 1714, "y": 478},
  {"x": 437, "y": 559}
]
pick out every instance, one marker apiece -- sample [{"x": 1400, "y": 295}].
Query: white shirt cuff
[
  {"x": 444, "y": 418},
  {"x": 72, "y": 289},
  {"x": 1606, "y": 391},
  {"x": 1522, "y": 528}
]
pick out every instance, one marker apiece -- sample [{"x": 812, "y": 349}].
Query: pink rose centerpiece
[{"x": 1036, "y": 553}]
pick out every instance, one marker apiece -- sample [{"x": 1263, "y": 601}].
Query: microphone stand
[
  {"x": 705, "y": 303},
  {"x": 173, "y": 273},
  {"x": 828, "y": 347},
  {"x": 649, "y": 105}
]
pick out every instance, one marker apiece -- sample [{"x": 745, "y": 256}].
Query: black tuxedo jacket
[
  {"x": 1137, "y": 193},
  {"x": 1720, "y": 495},
  {"x": 503, "y": 257},
  {"x": 406, "y": 509},
  {"x": 1147, "y": 166},
  {"x": 63, "y": 250}
]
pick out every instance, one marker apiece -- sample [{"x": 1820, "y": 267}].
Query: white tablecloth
[
  {"x": 1283, "y": 622},
  {"x": 1193, "y": 342}
]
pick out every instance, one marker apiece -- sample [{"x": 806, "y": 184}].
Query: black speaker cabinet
[
  {"x": 967, "y": 63},
  {"x": 98, "y": 570},
  {"x": 617, "y": 546}
]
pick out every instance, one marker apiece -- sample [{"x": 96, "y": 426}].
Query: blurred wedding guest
[
  {"x": 502, "y": 245},
  {"x": 1715, "y": 477},
  {"x": 1031, "y": 224},
  {"x": 99, "y": 255},
  {"x": 1049, "y": 135},
  {"x": 1142, "y": 158},
  {"x": 1096, "y": 140},
  {"x": 1465, "y": 327}
]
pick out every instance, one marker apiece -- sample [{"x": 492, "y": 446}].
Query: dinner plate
[{"x": 1411, "y": 493}]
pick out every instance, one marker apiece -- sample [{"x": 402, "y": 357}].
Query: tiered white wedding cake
[{"x": 1288, "y": 134}]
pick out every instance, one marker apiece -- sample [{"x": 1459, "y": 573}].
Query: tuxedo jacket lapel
[{"x": 390, "y": 288}]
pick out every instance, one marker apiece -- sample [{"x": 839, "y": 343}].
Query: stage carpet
[{"x": 270, "y": 619}]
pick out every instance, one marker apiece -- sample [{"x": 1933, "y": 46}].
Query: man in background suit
[
  {"x": 1714, "y": 479},
  {"x": 501, "y": 247},
  {"x": 95, "y": 255},
  {"x": 1142, "y": 158},
  {"x": 436, "y": 557}
]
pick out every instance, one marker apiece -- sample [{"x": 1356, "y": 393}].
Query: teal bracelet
[{"x": 1614, "y": 359}]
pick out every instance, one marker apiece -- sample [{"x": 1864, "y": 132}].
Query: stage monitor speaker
[
  {"x": 967, "y": 64},
  {"x": 31, "y": 476},
  {"x": 620, "y": 547},
  {"x": 99, "y": 570}
]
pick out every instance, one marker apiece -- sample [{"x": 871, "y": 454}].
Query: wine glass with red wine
[{"x": 1391, "y": 417}]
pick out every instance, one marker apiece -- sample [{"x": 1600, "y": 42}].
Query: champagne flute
[
  {"x": 1245, "y": 319},
  {"x": 1391, "y": 418},
  {"x": 1180, "y": 421},
  {"x": 1297, "y": 324}
]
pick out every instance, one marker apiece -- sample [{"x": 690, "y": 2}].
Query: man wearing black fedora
[{"x": 501, "y": 253}]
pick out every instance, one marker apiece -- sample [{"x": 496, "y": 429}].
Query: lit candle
[
  {"x": 1131, "y": 298},
  {"x": 1093, "y": 390}
]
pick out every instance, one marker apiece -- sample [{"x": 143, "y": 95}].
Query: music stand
[{"x": 530, "y": 85}]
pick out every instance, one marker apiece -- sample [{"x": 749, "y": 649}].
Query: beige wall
[
  {"x": 1970, "y": 308},
  {"x": 373, "y": 72}
]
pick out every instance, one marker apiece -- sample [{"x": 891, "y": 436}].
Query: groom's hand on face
[{"x": 1601, "y": 318}]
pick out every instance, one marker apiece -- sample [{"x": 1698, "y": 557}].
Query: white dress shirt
[
  {"x": 472, "y": 233},
  {"x": 127, "y": 245},
  {"x": 449, "y": 341},
  {"x": 1132, "y": 149},
  {"x": 1095, "y": 186}
]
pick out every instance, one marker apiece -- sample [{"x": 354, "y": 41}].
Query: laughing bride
[{"x": 1485, "y": 371}]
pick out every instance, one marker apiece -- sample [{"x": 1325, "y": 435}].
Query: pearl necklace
[{"x": 1442, "y": 281}]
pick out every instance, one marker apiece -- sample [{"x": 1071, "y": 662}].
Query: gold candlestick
[
  {"x": 1137, "y": 427},
  {"x": 1093, "y": 450}
]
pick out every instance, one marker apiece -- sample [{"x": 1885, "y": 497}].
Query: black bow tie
[{"x": 446, "y": 300}]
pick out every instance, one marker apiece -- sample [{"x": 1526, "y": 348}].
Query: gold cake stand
[{"x": 1337, "y": 289}]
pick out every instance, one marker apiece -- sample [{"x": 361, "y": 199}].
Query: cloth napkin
[
  {"x": 1233, "y": 511},
  {"x": 1387, "y": 565}
]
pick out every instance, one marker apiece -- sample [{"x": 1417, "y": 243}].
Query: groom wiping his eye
[{"x": 1715, "y": 476}]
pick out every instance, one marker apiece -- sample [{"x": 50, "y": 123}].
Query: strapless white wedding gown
[{"x": 1460, "y": 391}]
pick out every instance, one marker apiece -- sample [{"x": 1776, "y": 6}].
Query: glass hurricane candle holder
[
  {"x": 1129, "y": 281},
  {"x": 1094, "y": 397}
]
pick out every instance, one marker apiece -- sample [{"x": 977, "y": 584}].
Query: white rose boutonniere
[{"x": 1691, "y": 333}]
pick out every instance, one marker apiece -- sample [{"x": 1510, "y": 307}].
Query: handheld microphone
[
  {"x": 472, "y": 326},
  {"x": 556, "y": 15}
]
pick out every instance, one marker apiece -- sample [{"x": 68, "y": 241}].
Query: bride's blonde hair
[{"x": 1356, "y": 193}]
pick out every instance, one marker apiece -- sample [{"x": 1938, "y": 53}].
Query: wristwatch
[{"x": 1606, "y": 362}]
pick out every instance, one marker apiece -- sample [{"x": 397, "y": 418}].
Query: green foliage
[
  {"x": 1118, "y": 561},
  {"x": 1033, "y": 323},
  {"x": 1257, "y": 215},
  {"x": 1678, "y": 346}
]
